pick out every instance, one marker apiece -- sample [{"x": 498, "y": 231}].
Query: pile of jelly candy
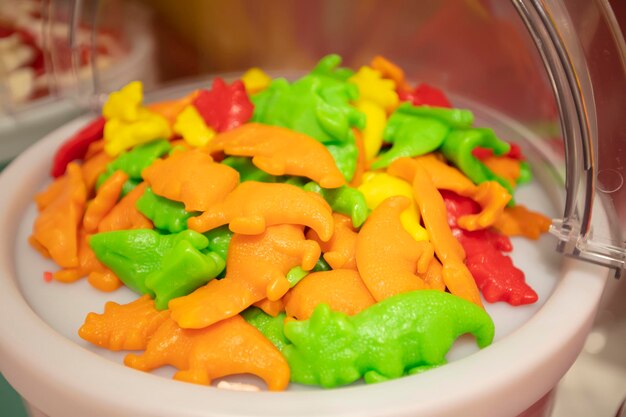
[{"x": 336, "y": 227}]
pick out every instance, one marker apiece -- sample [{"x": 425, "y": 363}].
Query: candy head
[{"x": 323, "y": 350}]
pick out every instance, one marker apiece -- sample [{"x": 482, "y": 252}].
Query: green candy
[
  {"x": 317, "y": 105},
  {"x": 345, "y": 200},
  {"x": 135, "y": 161},
  {"x": 247, "y": 170},
  {"x": 295, "y": 275},
  {"x": 403, "y": 334},
  {"x": 417, "y": 131},
  {"x": 271, "y": 327},
  {"x": 183, "y": 270},
  {"x": 328, "y": 66},
  {"x": 525, "y": 174},
  {"x": 321, "y": 265},
  {"x": 166, "y": 214},
  {"x": 134, "y": 255},
  {"x": 458, "y": 147},
  {"x": 219, "y": 240}
]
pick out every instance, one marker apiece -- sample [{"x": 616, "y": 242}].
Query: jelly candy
[
  {"x": 136, "y": 254},
  {"x": 280, "y": 151},
  {"x": 418, "y": 130},
  {"x": 225, "y": 106},
  {"x": 192, "y": 178},
  {"x": 388, "y": 259},
  {"x": 76, "y": 146},
  {"x": 256, "y": 267},
  {"x": 167, "y": 215},
  {"x": 387, "y": 340},
  {"x": 190, "y": 125},
  {"x": 229, "y": 347},
  {"x": 128, "y": 123},
  {"x": 253, "y": 206}
]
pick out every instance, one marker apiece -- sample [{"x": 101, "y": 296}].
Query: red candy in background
[
  {"x": 495, "y": 275},
  {"x": 514, "y": 153},
  {"x": 225, "y": 106},
  {"x": 76, "y": 146},
  {"x": 425, "y": 95}
]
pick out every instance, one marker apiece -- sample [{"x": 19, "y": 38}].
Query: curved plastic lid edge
[{"x": 569, "y": 78}]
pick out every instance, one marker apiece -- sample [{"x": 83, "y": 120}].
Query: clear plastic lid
[{"x": 555, "y": 69}]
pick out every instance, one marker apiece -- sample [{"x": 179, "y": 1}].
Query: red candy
[
  {"x": 76, "y": 146},
  {"x": 495, "y": 275},
  {"x": 225, "y": 106},
  {"x": 425, "y": 95},
  {"x": 514, "y": 153}
]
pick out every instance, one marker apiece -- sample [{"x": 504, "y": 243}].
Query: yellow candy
[
  {"x": 124, "y": 104},
  {"x": 191, "y": 126},
  {"x": 255, "y": 80},
  {"x": 373, "y": 87},
  {"x": 378, "y": 186},
  {"x": 128, "y": 122},
  {"x": 374, "y": 127}
]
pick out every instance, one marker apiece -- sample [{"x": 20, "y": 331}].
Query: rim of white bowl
[{"x": 60, "y": 377}]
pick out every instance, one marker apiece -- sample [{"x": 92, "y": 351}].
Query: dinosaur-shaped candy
[
  {"x": 418, "y": 130},
  {"x": 192, "y": 178},
  {"x": 317, "y": 105},
  {"x": 256, "y": 268},
  {"x": 55, "y": 232},
  {"x": 387, "y": 257},
  {"x": 123, "y": 327},
  {"x": 229, "y": 347},
  {"x": 253, "y": 206},
  {"x": 491, "y": 196},
  {"x": 339, "y": 251},
  {"x": 342, "y": 289},
  {"x": 402, "y": 334},
  {"x": 166, "y": 214},
  {"x": 165, "y": 266},
  {"x": 280, "y": 151}
]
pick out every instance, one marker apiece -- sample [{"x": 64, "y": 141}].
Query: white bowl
[{"x": 42, "y": 356}]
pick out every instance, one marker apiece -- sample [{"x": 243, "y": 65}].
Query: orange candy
[
  {"x": 124, "y": 215},
  {"x": 519, "y": 221},
  {"x": 456, "y": 276},
  {"x": 256, "y": 268},
  {"x": 342, "y": 289},
  {"x": 273, "y": 308},
  {"x": 172, "y": 108},
  {"x": 229, "y": 347},
  {"x": 56, "y": 227},
  {"x": 192, "y": 178},
  {"x": 123, "y": 327},
  {"x": 280, "y": 151},
  {"x": 105, "y": 199},
  {"x": 253, "y": 206},
  {"x": 93, "y": 167},
  {"x": 507, "y": 168},
  {"x": 99, "y": 276},
  {"x": 387, "y": 257},
  {"x": 490, "y": 195},
  {"x": 339, "y": 251},
  {"x": 391, "y": 71},
  {"x": 361, "y": 162}
]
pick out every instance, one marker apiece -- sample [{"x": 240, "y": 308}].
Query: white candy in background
[{"x": 21, "y": 84}]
